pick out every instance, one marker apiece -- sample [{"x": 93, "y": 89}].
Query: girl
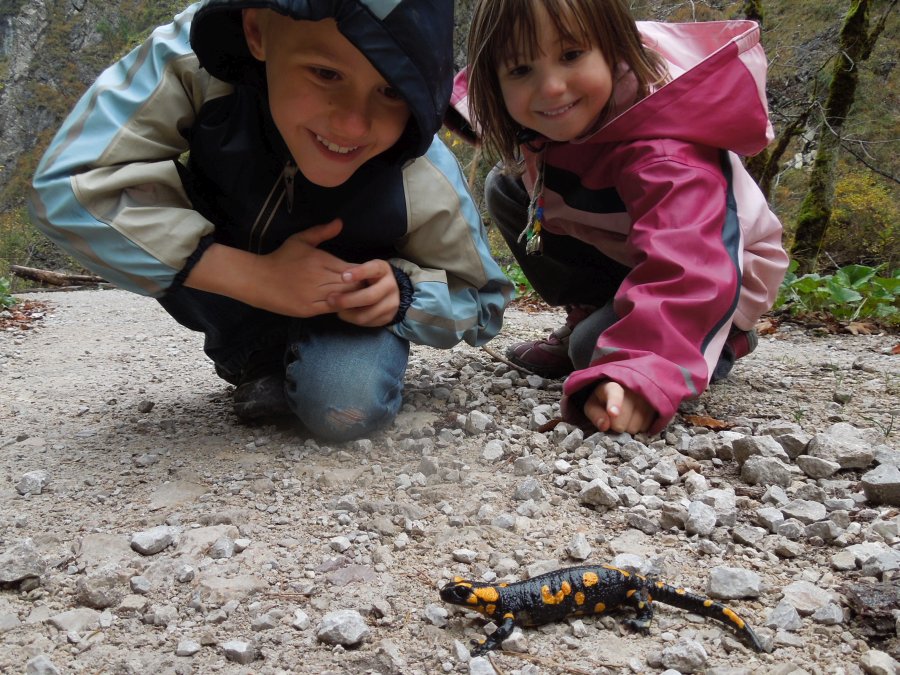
[{"x": 622, "y": 198}]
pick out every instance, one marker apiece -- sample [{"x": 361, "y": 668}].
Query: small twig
[
  {"x": 495, "y": 665},
  {"x": 65, "y": 562},
  {"x": 509, "y": 363}
]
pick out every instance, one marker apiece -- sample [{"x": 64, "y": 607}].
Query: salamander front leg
[{"x": 495, "y": 639}]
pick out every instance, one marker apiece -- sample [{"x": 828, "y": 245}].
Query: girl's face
[{"x": 561, "y": 90}]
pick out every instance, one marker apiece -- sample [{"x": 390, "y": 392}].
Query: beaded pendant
[{"x": 534, "y": 244}]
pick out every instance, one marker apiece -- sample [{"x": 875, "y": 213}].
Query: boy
[{"x": 316, "y": 227}]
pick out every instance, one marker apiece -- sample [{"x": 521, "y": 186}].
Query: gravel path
[{"x": 142, "y": 530}]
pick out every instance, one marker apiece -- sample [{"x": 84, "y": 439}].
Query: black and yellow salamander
[{"x": 580, "y": 591}]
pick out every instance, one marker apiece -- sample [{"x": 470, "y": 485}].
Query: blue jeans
[{"x": 341, "y": 381}]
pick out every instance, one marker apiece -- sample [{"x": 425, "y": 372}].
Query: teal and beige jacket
[{"x": 173, "y": 148}]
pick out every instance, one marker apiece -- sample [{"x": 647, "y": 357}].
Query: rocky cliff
[{"x": 50, "y": 52}]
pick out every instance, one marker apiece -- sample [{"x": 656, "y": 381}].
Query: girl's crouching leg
[{"x": 346, "y": 384}]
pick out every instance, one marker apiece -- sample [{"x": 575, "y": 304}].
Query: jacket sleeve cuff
[
  {"x": 178, "y": 282},
  {"x": 405, "y": 285}
]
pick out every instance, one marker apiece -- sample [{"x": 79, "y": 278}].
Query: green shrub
[
  {"x": 523, "y": 287},
  {"x": 853, "y": 292},
  {"x": 22, "y": 244},
  {"x": 864, "y": 223},
  {"x": 6, "y": 298}
]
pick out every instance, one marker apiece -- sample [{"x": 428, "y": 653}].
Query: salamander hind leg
[{"x": 640, "y": 599}]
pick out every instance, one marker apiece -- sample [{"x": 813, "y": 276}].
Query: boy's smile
[
  {"x": 561, "y": 89},
  {"x": 333, "y": 109}
]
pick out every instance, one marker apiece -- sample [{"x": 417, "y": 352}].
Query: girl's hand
[
  {"x": 611, "y": 407},
  {"x": 375, "y": 298}
]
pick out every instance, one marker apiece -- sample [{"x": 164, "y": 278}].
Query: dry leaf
[
  {"x": 860, "y": 328},
  {"x": 549, "y": 426},
  {"x": 708, "y": 422},
  {"x": 766, "y": 327}
]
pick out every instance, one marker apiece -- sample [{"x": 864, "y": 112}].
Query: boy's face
[
  {"x": 561, "y": 90},
  {"x": 333, "y": 109}
]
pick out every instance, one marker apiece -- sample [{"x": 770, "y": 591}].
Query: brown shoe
[{"x": 549, "y": 356}]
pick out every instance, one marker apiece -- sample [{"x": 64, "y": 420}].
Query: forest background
[{"x": 832, "y": 174}]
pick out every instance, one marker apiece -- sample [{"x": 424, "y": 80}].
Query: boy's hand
[
  {"x": 611, "y": 407},
  {"x": 375, "y": 299},
  {"x": 297, "y": 278},
  {"x": 294, "y": 280}
]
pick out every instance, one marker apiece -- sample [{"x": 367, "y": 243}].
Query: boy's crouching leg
[{"x": 342, "y": 381}]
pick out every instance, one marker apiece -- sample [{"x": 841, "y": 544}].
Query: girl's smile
[
  {"x": 561, "y": 88},
  {"x": 559, "y": 111}
]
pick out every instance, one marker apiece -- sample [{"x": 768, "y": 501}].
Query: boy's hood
[
  {"x": 408, "y": 41},
  {"x": 717, "y": 94}
]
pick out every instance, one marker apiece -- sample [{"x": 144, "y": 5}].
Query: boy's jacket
[
  {"x": 112, "y": 191},
  {"x": 660, "y": 188}
]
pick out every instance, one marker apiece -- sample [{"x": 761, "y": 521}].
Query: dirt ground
[{"x": 119, "y": 408}]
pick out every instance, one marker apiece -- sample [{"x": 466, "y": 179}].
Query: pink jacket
[{"x": 660, "y": 188}]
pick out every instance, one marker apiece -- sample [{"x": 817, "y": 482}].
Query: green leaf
[
  {"x": 889, "y": 286},
  {"x": 841, "y": 294},
  {"x": 886, "y": 311},
  {"x": 6, "y": 298},
  {"x": 808, "y": 283},
  {"x": 855, "y": 276}
]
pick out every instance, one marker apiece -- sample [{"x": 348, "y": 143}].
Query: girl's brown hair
[{"x": 503, "y": 28}]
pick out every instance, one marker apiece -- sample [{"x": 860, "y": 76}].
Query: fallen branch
[
  {"x": 506, "y": 361},
  {"x": 54, "y": 278}
]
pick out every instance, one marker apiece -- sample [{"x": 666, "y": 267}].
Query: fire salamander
[{"x": 579, "y": 591}]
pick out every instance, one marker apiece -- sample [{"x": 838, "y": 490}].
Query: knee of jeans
[
  {"x": 343, "y": 423},
  {"x": 342, "y": 418}
]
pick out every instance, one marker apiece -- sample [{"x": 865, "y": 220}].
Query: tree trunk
[
  {"x": 763, "y": 167},
  {"x": 815, "y": 210},
  {"x": 54, "y": 278},
  {"x": 753, "y": 10}
]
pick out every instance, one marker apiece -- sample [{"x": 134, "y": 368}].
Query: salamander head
[
  {"x": 459, "y": 592},
  {"x": 475, "y": 595}
]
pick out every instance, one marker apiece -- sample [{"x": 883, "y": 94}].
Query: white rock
[
  {"x": 33, "y": 482},
  {"x": 151, "y": 542},
  {"x": 187, "y": 648},
  {"x": 344, "y": 627}
]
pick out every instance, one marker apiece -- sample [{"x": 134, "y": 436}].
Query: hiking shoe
[
  {"x": 260, "y": 391},
  {"x": 738, "y": 344},
  {"x": 261, "y": 398},
  {"x": 742, "y": 342},
  {"x": 549, "y": 356}
]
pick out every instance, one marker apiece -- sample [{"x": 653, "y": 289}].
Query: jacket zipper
[{"x": 267, "y": 212}]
